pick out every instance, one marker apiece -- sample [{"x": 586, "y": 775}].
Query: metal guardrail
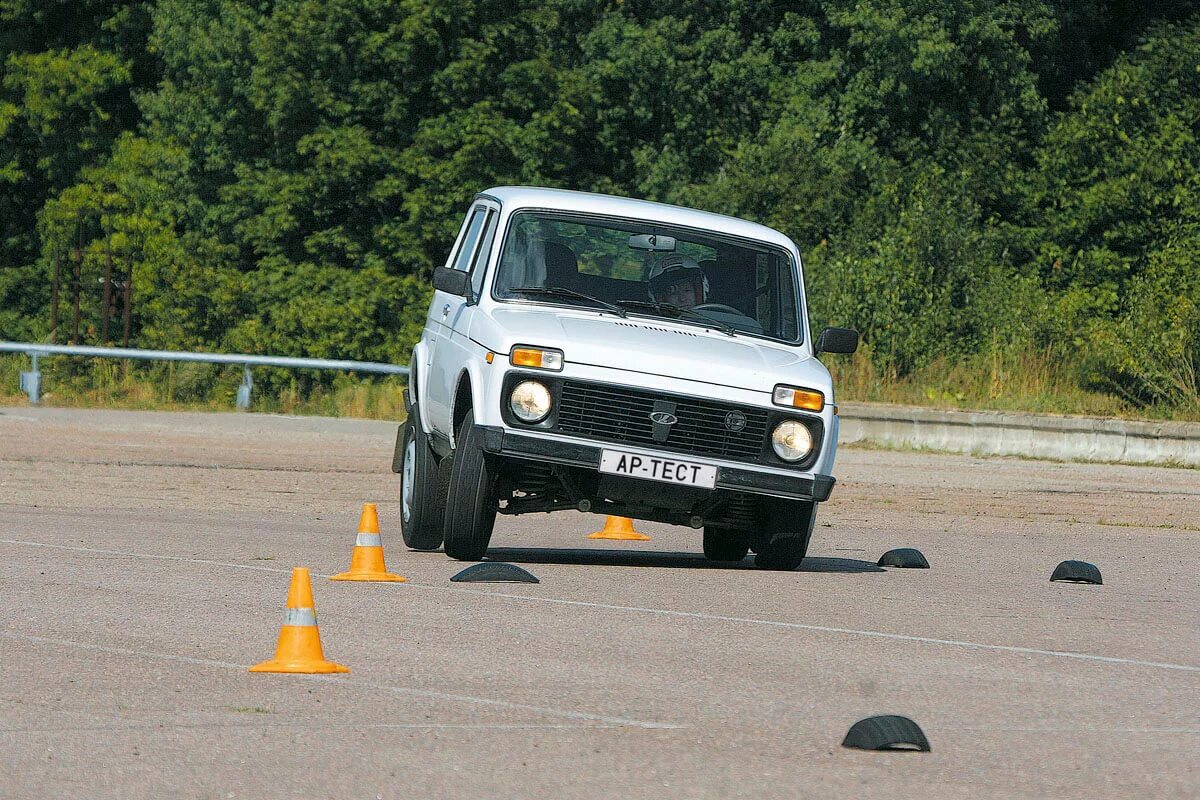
[{"x": 31, "y": 381}]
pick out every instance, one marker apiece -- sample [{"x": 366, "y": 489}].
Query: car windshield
[{"x": 651, "y": 270}]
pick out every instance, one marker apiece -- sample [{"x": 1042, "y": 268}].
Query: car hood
[{"x": 652, "y": 347}]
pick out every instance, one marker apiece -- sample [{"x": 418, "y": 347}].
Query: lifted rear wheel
[
  {"x": 723, "y": 544},
  {"x": 422, "y": 489}
]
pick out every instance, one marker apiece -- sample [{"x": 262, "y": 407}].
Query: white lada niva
[{"x": 620, "y": 357}]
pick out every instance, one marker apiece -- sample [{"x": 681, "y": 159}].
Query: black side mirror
[
  {"x": 451, "y": 281},
  {"x": 837, "y": 340}
]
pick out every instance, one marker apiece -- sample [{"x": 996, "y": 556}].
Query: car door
[
  {"x": 432, "y": 336},
  {"x": 450, "y": 313}
]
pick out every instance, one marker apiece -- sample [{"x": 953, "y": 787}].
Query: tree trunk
[
  {"x": 78, "y": 289},
  {"x": 128, "y": 299},
  {"x": 108, "y": 266},
  {"x": 54, "y": 300}
]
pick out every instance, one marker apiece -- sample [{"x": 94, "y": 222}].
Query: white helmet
[{"x": 674, "y": 267}]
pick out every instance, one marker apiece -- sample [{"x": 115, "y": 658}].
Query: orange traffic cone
[
  {"x": 619, "y": 528},
  {"x": 366, "y": 562},
  {"x": 299, "y": 648}
]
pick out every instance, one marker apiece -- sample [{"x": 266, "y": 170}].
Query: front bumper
[{"x": 502, "y": 442}]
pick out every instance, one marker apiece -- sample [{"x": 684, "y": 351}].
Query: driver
[{"x": 678, "y": 280}]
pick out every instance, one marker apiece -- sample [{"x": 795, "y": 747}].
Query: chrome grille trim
[{"x": 622, "y": 415}]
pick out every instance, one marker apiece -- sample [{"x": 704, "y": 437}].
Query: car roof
[{"x": 517, "y": 197}]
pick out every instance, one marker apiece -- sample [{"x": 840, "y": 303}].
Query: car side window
[
  {"x": 479, "y": 265},
  {"x": 466, "y": 250}
]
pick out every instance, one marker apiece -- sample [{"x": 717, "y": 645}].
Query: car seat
[
  {"x": 562, "y": 269},
  {"x": 718, "y": 282}
]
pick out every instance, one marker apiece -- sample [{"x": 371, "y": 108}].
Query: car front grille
[{"x": 703, "y": 427}]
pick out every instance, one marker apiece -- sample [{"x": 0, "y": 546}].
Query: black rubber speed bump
[
  {"x": 495, "y": 572},
  {"x": 887, "y": 732},
  {"x": 1077, "y": 572},
  {"x": 905, "y": 558}
]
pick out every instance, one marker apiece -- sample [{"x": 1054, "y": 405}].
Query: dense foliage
[{"x": 280, "y": 176}]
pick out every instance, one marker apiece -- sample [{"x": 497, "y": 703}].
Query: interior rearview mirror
[
  {"x": 451, "y": 281},
  {"x": 837, "y": 340},
  {"x": 652, "y": 242}
]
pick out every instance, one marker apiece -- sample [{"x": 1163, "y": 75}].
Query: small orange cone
[
  {"x": 299, "y": 648},
  {"x": 619, "y": 528},
  {"x": 366, "y": 562}
]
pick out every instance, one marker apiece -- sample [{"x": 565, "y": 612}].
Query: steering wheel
[{"x": 721, "y": 307}]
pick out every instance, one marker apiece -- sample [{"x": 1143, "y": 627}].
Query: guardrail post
[
  {"x": 31, "y": 382},
  {"x": 243, "y": 393}
]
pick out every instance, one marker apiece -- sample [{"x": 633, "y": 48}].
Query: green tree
[{"x": 1119, "y": 172}]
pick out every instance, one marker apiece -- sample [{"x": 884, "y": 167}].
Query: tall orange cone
[
  {"x": 619, "y": 528},
  {"x": 366, "y": 562},
  {"x": 299, "y": 648}
]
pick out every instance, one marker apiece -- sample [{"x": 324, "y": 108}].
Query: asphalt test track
[{"x": 144, "y": 561}]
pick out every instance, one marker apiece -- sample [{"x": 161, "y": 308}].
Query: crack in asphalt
[
  {"x": 351, "y": 683},
  {"x": 189, "y": 465},
  {"x": 900, "y": 637}
]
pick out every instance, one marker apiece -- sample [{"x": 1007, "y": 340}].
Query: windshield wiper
[
  {"x": 570, "y": 294},
  {"x": 679, "y": 311}
]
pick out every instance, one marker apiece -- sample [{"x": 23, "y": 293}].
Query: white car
[{"x": 620, "y": 357}]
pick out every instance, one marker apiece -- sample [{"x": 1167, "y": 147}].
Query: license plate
[{"x": 655, "y": 468}]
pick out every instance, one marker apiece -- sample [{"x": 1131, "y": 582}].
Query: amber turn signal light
[
  {"x": 807, "y": 399},
  {"x": 536, "y": 357}
]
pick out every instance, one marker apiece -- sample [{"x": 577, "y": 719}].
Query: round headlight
[
  {"x": 530, "y": 401},
  {"x": 792, "y": 440}
]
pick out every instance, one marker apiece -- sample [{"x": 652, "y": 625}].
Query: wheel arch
[
  {"x": 418, "y": 382},
  {"x": 467, "y": 395}
]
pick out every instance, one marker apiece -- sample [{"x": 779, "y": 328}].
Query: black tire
[
  {"x": 788, "y": 525},
  {"x": 421, "y": 521},
  {"x": 471, "y": 504},
  {"x": 723, "y": 544}
]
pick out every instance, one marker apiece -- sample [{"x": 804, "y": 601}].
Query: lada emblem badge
[
  {"x": 735, "y": 421},
  {"x": 663, "y": 418}
]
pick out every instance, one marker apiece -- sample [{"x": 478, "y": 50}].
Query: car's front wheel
[
  {"x": 787, "y": 527},
  {"x": 422, "y": 491},
  {"x": 471, "y": 511}
]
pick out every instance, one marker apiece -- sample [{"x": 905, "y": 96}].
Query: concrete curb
[
  {"x": 1032, "y": 435},
  {"x": 980, "y": 432}
]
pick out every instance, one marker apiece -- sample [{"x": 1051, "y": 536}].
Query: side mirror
[
  {"x": 451, "y": 281},
  {"x": 837, "y": 340}
]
